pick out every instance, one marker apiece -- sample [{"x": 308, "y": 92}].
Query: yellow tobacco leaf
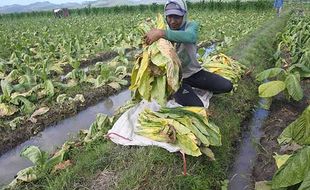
[{"x": 281, "y": 159}]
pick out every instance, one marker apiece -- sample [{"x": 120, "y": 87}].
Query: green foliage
[
  {"x": 97, "y": 128},
  {"x": 296, "y": 167},
  {"x": 6, "y": 88},
  {"x": 270, "y": 89},
  {"x": 294, "y": 171},
  {"x": 298, "y": 131},
  {"x": 293, "y": 87},
  {"x": 42, "y": 163},
  {"x": 294, "y": 67},
  {"x": 35, "y": 155},
  {"x": 295, "y": 41},
  {"x": 269, "y": 73},
  {"x": 285, "y": 81}
]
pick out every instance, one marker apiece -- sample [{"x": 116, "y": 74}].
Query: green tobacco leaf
[
  {"x": 198, "y": 123},
  {"x": 121, "y": 71},
  {"x": 13, "y": 75},
  {"x": 57, "y": 68},
  {"x": 129, "y": 104},
  {"x": 305, "y": 185},
  {"x": 301, "y": 69},
  {"x": 27, "y": 175},
  {"x": 204, "y": 139},
  {"x": 158, "y": 90},
  {"x": 293, "y": 87},
  {"x": 115, "y": 85},
  {"x": 269, "y": 73},
  {"x": 278, "y": 52},
  {"x": 263, "y": 185},
  {"x": 27, "y": 106},
  {"x": 208, "y": 152},
  {"x": 271, "y": 88},
  {"x": 15, "y": 122},
  {"x": 28, "y": 79},
  {"x": 35, "y": 155},
  {"x": 7, "y": 110},
  {"x": 298, "y": 131},
  {"x": 281, "y": 159},
  {"x": 159, "y": 60},
  {"x": 58, "y": 157},
  {"x": 25, "y": 94},
  {"x": 98, "y": 128},
  {"x": 49, "y": 88},
  {"x": 187, "y": 144},
  {"x": 61, "y": 98},
  {"x": 122, "y": 82},
  {"x": 215, "y": 138},
  {"x": 6, "y": 89},
  {"x": 180, "y": 129},
  {"x": 294, "y": 170}
]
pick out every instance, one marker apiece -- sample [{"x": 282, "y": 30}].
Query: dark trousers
[{"x": 202, "y": 80}]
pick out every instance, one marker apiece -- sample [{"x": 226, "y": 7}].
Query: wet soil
[
  {"x": 103, "y": 56},
  {"x": 282, "y": 113},
  {"x": 11, "y": 138}
]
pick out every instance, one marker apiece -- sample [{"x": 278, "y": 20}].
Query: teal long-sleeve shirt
[{"x": 189, "y": 35}]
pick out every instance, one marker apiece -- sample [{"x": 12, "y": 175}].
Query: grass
[
  {"x": 155, "y": 168},
  {"x": 257, "y": 49}
]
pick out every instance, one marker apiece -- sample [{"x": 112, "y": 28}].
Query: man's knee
[{"x": 228, "y": 86}]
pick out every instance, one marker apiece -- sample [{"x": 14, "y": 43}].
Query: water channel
[{"x": 240, "y": 177}]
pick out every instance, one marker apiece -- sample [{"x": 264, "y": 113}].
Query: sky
[{"x": 27, "y": 2}]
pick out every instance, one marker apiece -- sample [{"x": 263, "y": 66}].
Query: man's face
[{"x": 174, "y": 21}]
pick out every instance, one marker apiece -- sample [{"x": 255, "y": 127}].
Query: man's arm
[
  {"x": 154, "y": 35},
  {"x": 189, "y": 35}
]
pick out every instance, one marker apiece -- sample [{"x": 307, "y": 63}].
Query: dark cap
[{"x": 174, "y": 9}]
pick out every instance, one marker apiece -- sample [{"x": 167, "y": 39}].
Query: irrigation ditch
[{"x": 240, "y": 176}]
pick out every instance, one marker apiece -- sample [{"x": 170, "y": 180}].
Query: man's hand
[{"x": 153, "y": 35}]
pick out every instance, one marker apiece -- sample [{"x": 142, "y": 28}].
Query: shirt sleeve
[{"x": 189, "y": 35}]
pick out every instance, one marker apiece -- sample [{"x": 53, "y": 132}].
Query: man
[
  {"x": 278, "y": 4},
  {"x": 183, "y": 34}
]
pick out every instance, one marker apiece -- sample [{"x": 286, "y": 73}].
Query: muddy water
[
  {"x": 50, "y": 138},
  {"x": 209, "y": 50},
  {"x": 240, "y": 178}
]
